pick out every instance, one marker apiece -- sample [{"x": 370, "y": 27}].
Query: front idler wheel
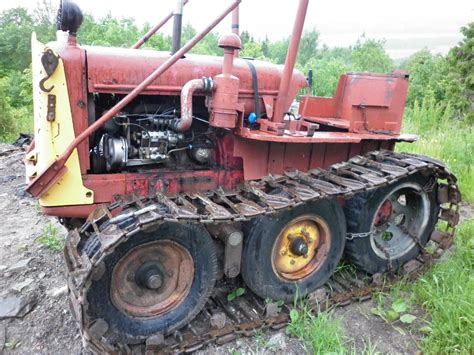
[
  {"x": 153, "y": 283},
  {"x": 294, "y": 252}
]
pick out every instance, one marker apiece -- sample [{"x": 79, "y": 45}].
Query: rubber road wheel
[
  {"x": 154, "y": 282},
  {"x": 293, "y": 252},
  {"x": 400, "y": 216}
]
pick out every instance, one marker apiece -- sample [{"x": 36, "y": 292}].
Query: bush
[
  {"x": 326, "y": 75},
  {"x": 16, "y": 107},
  {"x": 6, "y": 118}
]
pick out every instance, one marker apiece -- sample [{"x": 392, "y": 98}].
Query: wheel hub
[
  {"x": 150, "y": 276},
  {"x": 301, "y": 248},
  {"x": 152, "y": 279},
  {"x": 399, "y": 221}
]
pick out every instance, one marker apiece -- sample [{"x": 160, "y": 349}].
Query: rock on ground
[{"x": 16, "y": 307}]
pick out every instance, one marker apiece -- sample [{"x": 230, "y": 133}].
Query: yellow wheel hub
[{"x": 301, "y": 247}]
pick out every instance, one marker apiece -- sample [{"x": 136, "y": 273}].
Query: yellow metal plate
[{"x": 52, "y": 138}]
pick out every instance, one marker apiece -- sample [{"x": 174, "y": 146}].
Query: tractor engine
[{"x": 146, "y": 137}]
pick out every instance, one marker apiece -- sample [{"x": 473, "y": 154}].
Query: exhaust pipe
[
  {"x": 177, "y": 26},
  {"x": 236, "y": 26},
  {"x": 204, "y": 85}
]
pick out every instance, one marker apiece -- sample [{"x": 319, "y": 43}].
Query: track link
[{"x": 115, "y": 223}]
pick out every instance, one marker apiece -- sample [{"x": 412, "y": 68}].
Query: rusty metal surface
[
  {"x": 295, "y": 262},
  {"x": 168, "y": 290},
  {"x": 226, "y": 96},
  {"x": 285, "y": 96},
  {"x": 250, "y": 313},
  {"x": 130, "y": 67},
  {"x": 52, "y": 173},
  {"x": 364, "y": 103},
  {"x": 322, "y": 137}
]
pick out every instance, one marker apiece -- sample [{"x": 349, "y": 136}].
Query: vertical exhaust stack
[
  {"x": 236, "y": 26},
  {"x": 177, "y": 26}
]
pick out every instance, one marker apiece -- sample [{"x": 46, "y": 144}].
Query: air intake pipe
[{"x": 204, "y": 85}]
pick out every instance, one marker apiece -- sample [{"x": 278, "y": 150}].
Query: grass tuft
[
  {"x": 321, "y": 334},
  {"x": 50, "y": 238}
]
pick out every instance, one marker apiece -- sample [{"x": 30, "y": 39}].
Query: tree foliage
[
  {"x": 369, "y": 55},
  {"x": 444, "y": 82},
  {"x": 461, "y": 62},
  {"x": 16, "y": 28}
]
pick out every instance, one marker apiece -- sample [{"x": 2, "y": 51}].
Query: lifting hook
[{"x": 50, "y": 62}]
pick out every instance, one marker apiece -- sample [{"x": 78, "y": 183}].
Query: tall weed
[{"x": 445, "y": 138}]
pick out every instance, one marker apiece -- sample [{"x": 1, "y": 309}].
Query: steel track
[{"x": 117, "y": 222}]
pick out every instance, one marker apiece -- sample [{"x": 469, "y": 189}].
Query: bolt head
[{"x": 154, "y": 282}]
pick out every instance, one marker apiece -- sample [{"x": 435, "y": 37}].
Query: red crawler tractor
[{"x": 177, "y": 171}]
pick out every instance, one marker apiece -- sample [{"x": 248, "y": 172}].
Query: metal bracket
[{"x": 51, "y": 108}]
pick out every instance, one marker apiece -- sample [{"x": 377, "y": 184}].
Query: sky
[{"x": 406, "y": 25}]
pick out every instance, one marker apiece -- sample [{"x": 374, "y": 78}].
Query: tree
[
  {"x": 108, "y": 31},
  {"x": 252, "y": 50},
  {"x": 45, "y": 17},
  {"x": 327, "y": 72},
  {"x": 308, "y": 46},
  {"x": 461, "y": 61},
  {"x": 429, "y": 78},
  {"x": 245, "y": 37},
  {"x": 266, "y": 47},
  {"x": 278, "y": 51},
  {"x": 369, "y": 56},
  {"x": 16, "y": 27}
]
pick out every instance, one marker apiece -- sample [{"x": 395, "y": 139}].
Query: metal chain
[{"x": 352, "y": 236}]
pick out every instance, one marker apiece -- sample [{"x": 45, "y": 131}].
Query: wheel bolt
[
  {"x": 149, "y": 276},
  {"x": 154, "y": 282}
]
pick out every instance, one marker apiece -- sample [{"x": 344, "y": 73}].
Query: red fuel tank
[{"x": 118, "y": 71}]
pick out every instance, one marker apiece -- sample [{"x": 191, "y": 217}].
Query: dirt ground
[{"x": 34, "y": 277}]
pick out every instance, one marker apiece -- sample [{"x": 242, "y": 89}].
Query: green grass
[
  {"x": 50, "y": 238},
  {"x": 321, "y": 334},
  {"x": 447, "y": 294},
  {"x": 446, "y": 139}
]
